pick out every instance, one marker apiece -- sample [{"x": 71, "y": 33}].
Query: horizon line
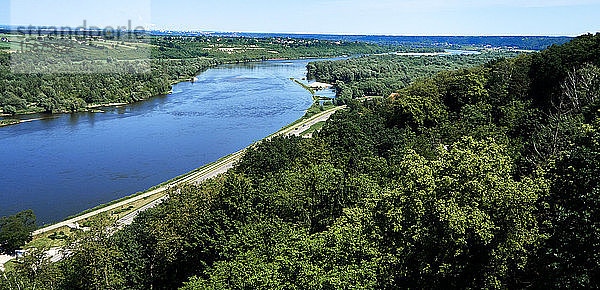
[
  {"x": 348, "y": 33},
  {"x": 376, "y": 34}
]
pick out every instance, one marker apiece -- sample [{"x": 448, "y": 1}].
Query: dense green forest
[
  {"x": 485, "y": 177},
  {"x": 169, "y": 59},
  {"x": 381, "y": 75}
]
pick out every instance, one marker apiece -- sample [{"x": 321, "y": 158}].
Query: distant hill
[{"x": 521, "y": 42}]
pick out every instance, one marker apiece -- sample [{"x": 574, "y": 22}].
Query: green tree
[
  {"x": 9, "y": 109},
  {"x": 569, "y": 258},
  {"x": 460, "y": 220},
  {"x": 93, "y": 258},
  {"x": 15, "y": 230},
  {"x": 34, "y": 270}
]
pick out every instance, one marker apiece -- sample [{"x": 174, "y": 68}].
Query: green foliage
[
  {"x": 570, "y": 257},
  {"x": 459, "y": 220},
  {"x": 93, "y": 259},
  {"x": 550, "y": 67},
  {"x": 467, "y": 179},
  {"x": 33, "y": 271},
  {"x": 15, "y": 231},
  {"x": 382, "y": 75},
  {"x": 171, "y": 59}
]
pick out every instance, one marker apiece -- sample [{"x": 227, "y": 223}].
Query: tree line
[
  {"x": 485, "y": 177},
  {"x": 382, "y": 75},
  {"x": 108, "y": 75}
]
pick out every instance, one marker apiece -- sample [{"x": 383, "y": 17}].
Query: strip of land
[{"x": 199, "y": 176}]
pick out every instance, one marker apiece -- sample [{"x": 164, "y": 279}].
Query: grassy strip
[
  {"x": 305, "y": 86},
  {"x": 135, "y": 205},
  {"x": 8, "y": 122},
  {"x": 315, "y": 127},
  {"x": 171, "y": 181},
  {"x": 98, "y": 207}
]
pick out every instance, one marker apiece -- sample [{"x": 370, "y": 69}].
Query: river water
[
  {"x": 64, "y": 165},
  {"x": 68, "y": 163}
]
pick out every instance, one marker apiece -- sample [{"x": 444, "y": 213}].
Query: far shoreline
[
  {"x": 89, "y": 107},
  {"x": 194, "y": 79}
]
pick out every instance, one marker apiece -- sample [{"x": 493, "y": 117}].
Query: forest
[
  {"x": 382, "y": 75},
  {"x": 484, "y": 177},
  {"x": 101, "y": 72}
]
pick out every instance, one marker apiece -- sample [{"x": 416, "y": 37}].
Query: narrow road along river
[{"x": 64, "y": 165}]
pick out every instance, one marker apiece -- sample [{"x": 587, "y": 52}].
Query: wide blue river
[{"x": 71, "y": 162}]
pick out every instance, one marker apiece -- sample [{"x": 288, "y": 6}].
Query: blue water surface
[{"x": 72, "y": 162}]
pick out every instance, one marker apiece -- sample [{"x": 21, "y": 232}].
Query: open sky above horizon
[{"x": 394, "y": 17}]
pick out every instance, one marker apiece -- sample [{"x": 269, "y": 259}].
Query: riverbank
[
  {"x": 92, "y": 107},
  {"x": 105, "y": 105},
  {"x": 198, "y": 175},
  {"x": 10, "y": 122},
  {"x": 125, "y": 210}
]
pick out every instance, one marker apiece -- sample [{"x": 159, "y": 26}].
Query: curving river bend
[
  {"x": 64, "y": 165},
  {"x": 72, "y": 162}
]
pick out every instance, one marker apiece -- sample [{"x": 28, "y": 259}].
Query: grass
[
  {"x": 317, "y": 108},
  {"x": 133, "y": 206},
  {"x": 9, "y": 266},
  {"x": 315, "y": 127},
  {"x": 305, "y": 86},
  {"x": 51, "y": 239},
  {"x": 7, "y": 122},
  {"x": 46, "y": 242},
  {"x": 174, "y": 180},
  {"x": 122, "y": 209},
  {"x": 321, "y": 98}
]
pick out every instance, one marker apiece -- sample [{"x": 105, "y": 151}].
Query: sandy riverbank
[
  {"x": 16, "y": 122},
  {"x": 106, "y": 105}
]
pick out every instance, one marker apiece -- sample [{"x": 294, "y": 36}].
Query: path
[
  {"x": 205, "y": 173},
  {"x": 208, "y": 172},
  {"x": 3, "y": 260},
  {"x": 228, "y": 163}
]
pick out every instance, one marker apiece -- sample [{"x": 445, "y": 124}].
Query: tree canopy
[
  {"x": 15, "y": 231},
  {"x": 473, "y": 178}
]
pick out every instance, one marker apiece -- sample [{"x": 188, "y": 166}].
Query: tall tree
[{"x": 15, "y": 230}]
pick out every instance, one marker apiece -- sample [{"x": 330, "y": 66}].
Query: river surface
[
  {"x": 68, "y": 163},
  {"x": 72, "y": 162}
]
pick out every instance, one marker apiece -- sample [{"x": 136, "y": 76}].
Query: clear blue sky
[{"x": 403, "y": 17}]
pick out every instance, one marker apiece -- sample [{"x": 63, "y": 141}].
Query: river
[{"x": 69, "y": 163}]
